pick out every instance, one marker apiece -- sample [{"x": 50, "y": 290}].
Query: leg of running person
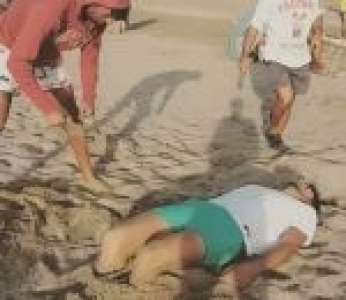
[{"x": 281, "y": 109}]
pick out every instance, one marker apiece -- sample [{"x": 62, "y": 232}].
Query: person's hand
[
  {"x": 241, "y": 275},
  {"x": 244, "y": 65},
  {"x": 244, "y": 70},
  {"x": 87, "y": 114},
  {"x": 317, "y": 67},
  {"x": 87, "y": 110}
]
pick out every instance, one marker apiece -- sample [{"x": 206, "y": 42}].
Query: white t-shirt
[
  {"x": 263, "y": 214},
  {"x": 285, "y": 25}
]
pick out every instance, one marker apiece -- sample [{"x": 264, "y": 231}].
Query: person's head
[
  {"x": 102, "y": 11},
  {"x": 305, "y": 192}
]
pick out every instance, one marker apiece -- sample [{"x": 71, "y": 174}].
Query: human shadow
[
  {"x": 143, "y": 97},
  {"x": 141, "y": 24},
  {"x": 234, "y": 153},
  {"x": 263, "y": 90}
]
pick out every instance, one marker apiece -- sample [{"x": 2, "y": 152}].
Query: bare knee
[{"x": 285, "y": 95}]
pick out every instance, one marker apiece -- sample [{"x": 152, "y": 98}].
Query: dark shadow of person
[
  {"x": 144, "y": 23},
  {"x": 263, "y": 90},
  {"x": 233, "y": 155},
  {"x": 144, "y": 98}
]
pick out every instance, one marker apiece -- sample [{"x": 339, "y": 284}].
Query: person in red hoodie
[{"x": 32, "y": 36}]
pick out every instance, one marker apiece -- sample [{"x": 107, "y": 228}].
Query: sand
[{"x": 170, "y": 123}]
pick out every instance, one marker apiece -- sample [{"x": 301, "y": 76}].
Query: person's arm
[
  {"x": 39, "y": 23},
  {"x": 253, "y": 34},
  {"x": 242, "y": 274},
  {"x": 89, "y": 73},
  {"x": 250, "y": 42},
  {"x": 316, "y": 45}
]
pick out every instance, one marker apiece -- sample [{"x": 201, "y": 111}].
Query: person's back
[
  {"x": 264, "y": 214},
  {"x": 13, "y": 19}
]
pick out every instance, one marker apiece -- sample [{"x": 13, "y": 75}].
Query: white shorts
[{"x": 48, "y": 77}]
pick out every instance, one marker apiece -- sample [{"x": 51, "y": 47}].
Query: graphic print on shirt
[{"x": 297, "y": 12}]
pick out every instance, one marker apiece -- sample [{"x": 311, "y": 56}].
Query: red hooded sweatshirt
[{"x": 30, "y": 29}]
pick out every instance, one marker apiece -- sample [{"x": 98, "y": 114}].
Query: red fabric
[
  {"x": 30, "y": 30},
  {"x": 110, "y": 3}
]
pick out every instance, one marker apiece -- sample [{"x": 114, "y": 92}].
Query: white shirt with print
[
  {"x": 285, "y": 25},
  {"x": 264, "y": 214}
]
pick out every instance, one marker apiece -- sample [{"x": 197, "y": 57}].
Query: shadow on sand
[{"x": 141, "y": 97}]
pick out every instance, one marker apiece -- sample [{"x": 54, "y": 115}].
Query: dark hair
[{"x": 316, "y": 201}]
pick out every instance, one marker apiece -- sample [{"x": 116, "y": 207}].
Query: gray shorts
[{"x": 276, "y": 74}]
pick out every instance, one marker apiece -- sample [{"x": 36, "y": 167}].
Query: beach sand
[{"x": 170, "y": 123}]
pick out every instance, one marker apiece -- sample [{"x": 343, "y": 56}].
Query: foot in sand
[{"x": 275, "y": 142}]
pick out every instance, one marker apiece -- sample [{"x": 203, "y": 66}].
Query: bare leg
[
  {"x": 125, "y": 240},
  {"x": 281, "y": 109},
  {"x": 5, "y": 105},
  {"x": 76, "y": 138},
  {"x": 174, "y": 252}
]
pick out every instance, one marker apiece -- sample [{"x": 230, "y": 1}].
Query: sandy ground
[{"x": 170, "y": 124}]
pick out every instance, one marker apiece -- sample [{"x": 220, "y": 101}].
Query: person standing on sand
[
  {"x": 32, "y": 36},
  {"x": 289, "y": 35}
]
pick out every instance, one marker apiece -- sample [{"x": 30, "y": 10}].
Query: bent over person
[
  {"x": 288, "y": 35},
  {"x": 32, "y": 36},
  {"x": 249, "y": 221}
]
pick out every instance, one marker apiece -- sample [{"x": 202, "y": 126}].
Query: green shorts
[{"x": 221, "y": 235}]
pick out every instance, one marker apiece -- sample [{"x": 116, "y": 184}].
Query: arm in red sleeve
[
  {"x": 89, "y": 71},
  {"x": 40, "y": 21}
]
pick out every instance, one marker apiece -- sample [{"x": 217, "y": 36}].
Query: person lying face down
[{"x": 267, "y": 225}]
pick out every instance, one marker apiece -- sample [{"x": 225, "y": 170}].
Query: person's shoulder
[
  {"x": 51, "y": 5},
  {"x": 248, "y": 188},
  {"x": 304, "y": 211},
  {"x": 266, "y": 2}
]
